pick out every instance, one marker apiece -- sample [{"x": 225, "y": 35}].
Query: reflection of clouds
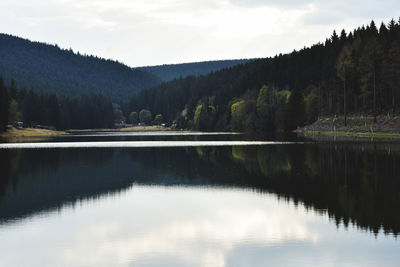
[
  {"x": 188, "y": 226},
  {"x": 156, "y": 225},
  {"x": 227, "y": 219}
]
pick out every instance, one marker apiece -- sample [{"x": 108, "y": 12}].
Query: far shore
[
  {"x": 357, "y": 126},
  {"x": 349, "y": 134},
  {"x": 13, "y": 132},
  {"x": 127, "y": 129}
]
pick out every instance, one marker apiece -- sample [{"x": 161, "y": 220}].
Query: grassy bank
[
  {"x": 145, "y": 128},
  {"x": 13, "y": 132},
  {"x": 357, "y": 126},
  {"x": 128, "y": 129}
]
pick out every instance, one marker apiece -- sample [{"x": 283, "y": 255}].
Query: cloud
[
  {"x": 333, "y": 12},
  {"x": 281, "y": 3},
  {"x": 143, "y": 32}
]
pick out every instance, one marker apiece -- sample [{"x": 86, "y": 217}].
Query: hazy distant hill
[
  {"x": 45, "y": 67},
  {"x": 173, "y": 71}
]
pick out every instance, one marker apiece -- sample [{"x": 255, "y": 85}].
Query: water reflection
[
  {"x": 201, "y": 206},
  {"x": 168, "y": 229},
  {"x": 354, "y": 183},
  {"x": 188, "y": 226}
]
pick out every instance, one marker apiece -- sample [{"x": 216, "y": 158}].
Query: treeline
[
  {"x": 52, "y": 111},
  {"x": 169, "y": 72},
  {"x": 50, "y": 69},
  {"x": 356, "y": 72}
]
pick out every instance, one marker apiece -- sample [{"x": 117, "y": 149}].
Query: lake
[{"x": 198, "y": 199}]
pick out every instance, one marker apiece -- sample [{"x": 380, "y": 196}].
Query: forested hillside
[
  {"x": 170, "y": 72},
  {"x": 48, "y": 68},
  {"x": 53, "y": 111},
  {"x": 356, "y": 72}
]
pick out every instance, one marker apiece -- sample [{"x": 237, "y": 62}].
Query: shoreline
[
  {"x": 357, "y": 126},
  {"x": 128, "y": 129},
  {"x": 13, "y": 132},
  {"x": 308, "y": 133}
]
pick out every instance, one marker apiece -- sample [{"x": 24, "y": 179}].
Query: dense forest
[
  {"x": 169, "y": 72},
  {"x": 350, "y": 73},
  {"x": 47, "y": 68},
  {"x": 55, "y": 112},
  {"x": 356, "y": 72}
]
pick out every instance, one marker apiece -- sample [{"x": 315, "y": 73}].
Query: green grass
[{"x": 13, "y": 132}]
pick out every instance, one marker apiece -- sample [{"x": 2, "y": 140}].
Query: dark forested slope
[
  {"x": 174, "y": 71},
  {"x": 48, "y": 68},
  {"x": 356, "y": 72}
]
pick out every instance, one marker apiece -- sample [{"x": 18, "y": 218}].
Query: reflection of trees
[
  {"x": 354, "y": 183},
  {"x": 39, "y": 180},
  {"x": 8, "y": 169}
]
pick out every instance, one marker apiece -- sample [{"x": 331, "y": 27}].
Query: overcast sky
[{"x": 150, "y": 32}]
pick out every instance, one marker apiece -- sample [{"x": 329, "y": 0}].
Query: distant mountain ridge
[
  {"x": 169, "y": 72},
  {"x": 45, "y": 67}
]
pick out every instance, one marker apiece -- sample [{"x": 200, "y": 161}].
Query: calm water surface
[{"x": 113, "y": 199}]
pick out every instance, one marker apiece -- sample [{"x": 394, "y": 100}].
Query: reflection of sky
[{"x": 181, "y": 226}]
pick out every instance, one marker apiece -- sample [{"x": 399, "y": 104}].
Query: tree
[
  {"x": 53, "y": 109},
  {"x": 30, "y": 108},
  {"x": 334, "y": 37},
  {"x": 343, "y": 66},
  {"x": 13, "y": 111},
  {"x": 238, "y": 115},
  {"x": 295, "y": 111},
  {"x": 266, "y": 108},
  {"x": 392, "y": 72},
  {"x": 133, "y": 117},
  {"x": 369, "y": 63},
  {"x": 119, "y": 116},
  {"x": 282, "y": 98},
  {"x": 4, "y": 102},
  {"x": 145, "y": 116},
  {"x": 204, "y": 115},
  {"x": 311, "y": 104},
  {"x": 198, "y": 118},
  {"x": 343, "y": 36},
  {"x": 158, "y": 119}
]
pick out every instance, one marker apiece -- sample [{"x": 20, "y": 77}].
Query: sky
[{"x": 143, "y": 32}]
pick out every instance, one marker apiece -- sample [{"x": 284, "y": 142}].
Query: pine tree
[
  {"x": 344, "y": 66},
  {"x": 4, "y": 102},
  {"x": 334, "y": 37},
  {"x": 343, "y": 36},
  {"x": 391, "y": 72},
  {"x": 368, "y": 66}
]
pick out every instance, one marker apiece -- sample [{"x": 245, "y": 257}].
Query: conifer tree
[
  {"x": 4, "y": 102},
  {"x": 343, "y": 66}
]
